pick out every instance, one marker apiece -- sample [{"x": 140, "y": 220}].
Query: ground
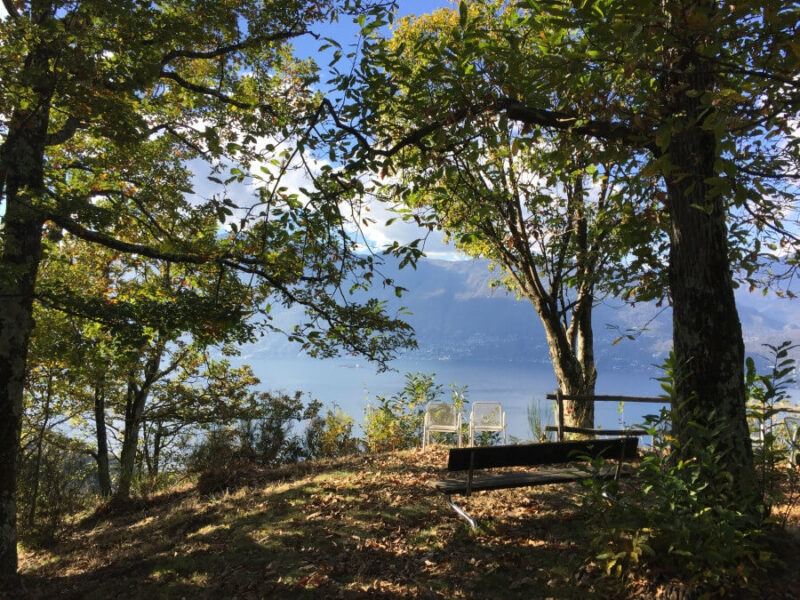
[{"x": 361, "y": 527}]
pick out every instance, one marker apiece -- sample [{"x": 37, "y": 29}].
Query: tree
[
  {"x": 205, "y": 392},
  {"x": 137, "y": 323},
  {"x": 103, "y": 105},
  {"x": 52, "y": 400},
  {"x": 701, "y": 95},
  {"x": 557, "y": 223}
]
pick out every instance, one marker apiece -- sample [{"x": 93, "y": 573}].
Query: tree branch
[
  {"x": 65, "y": 133},
  {"x": 604, "y": 130},
  {"x": 250, "y": 42},
  {"x": 200, "y": 89},
  {"x": 11, "y": 9}
]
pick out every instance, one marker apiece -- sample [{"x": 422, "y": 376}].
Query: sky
[{"x": 377, "y": 235}]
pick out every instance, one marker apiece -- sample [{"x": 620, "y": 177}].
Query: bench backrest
[{"x": 524, "y": 455}]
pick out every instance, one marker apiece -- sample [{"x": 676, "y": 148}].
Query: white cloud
[{"x": 375, "y": 233}]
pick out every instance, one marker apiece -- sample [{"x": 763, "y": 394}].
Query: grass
[{"x": 362, "y": 527}]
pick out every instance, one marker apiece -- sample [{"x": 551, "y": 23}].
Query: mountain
[{"x": 457, "y": 315}]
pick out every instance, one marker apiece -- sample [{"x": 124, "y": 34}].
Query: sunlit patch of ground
[{"x": 361, "y": 527}]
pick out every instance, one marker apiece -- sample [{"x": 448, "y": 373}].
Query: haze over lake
[
  {"x": 350, "y": 384},
  {"x": 494, "y": 344}
]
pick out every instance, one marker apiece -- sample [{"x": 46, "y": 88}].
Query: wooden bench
[{"x": 476, "y": 460}]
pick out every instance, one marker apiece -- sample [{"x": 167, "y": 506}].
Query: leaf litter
[{"x": 365, "y": 526}]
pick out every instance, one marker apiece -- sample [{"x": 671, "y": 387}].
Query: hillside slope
[{"x": 361, "y": 527}]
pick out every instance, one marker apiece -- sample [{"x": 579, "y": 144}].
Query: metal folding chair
[
  {"x": 487, "y": 416},
  {"x": 442, "y": 417}
]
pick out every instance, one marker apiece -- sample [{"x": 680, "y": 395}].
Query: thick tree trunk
[
  {"x": 21, "y": 184},
  {"x": 707, "y": 335},
  {"x": 103, "y": 472},
  {"x": 572, "y": 374},
  {"x": 19, "y": 262}
]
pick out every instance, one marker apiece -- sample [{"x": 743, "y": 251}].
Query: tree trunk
[
  {"x": 39, "y": 449},
  {"x": 572, "y": 375},
  {"x": 570, "y": 344},
  {"x": 103, "y": 472},
  {"x": 709, "y": 405},
  {"x": 157, "y": 441},
  {"x": 21, "y": 184},
  {"x": 137, "y": 398}
]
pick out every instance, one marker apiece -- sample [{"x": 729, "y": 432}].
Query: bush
[
  {"x": 675, "y": 522},
  {"x": 273, "y": 438},
  {"x": 234, "y": 474},
  {"x": 767, "y": 395},
  {"x": 227, "y": 456},
  {"x": 671, "y": 524},
  {"x": 332, "y": 436},
  {"x": 540, "y": 415},
  {"x": 219, "y": 447},
  {"x": 396, "y": 422},
  {"x": 52, "y": 484}
]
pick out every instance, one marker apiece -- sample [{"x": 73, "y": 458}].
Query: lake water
[{"x": 350, "y": 384}]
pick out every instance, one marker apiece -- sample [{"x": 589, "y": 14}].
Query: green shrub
[
  {"x": 236, "y": 473},
  {"x": 217, "y": 448},
  {"x": 396, "y": 422},
  {"x": 674, "y": 521},
  {"x": 767, "y": 395},
  {"x": 671, "y": 524},
  {"x": 540, "y": 415},
  {"x": 225, "y": 457},
  {"x": 332, "y": 436}
]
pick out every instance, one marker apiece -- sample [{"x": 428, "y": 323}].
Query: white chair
[
  {"x": 793, "y": 430},
  {"x": 487, "y": 416},
  {"x": 442, "y": 417}
]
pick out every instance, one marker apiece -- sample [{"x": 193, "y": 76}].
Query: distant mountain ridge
[{"x": 456, "y": 316}]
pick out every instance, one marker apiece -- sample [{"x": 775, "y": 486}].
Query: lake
[{"x": 351, "y": 383}]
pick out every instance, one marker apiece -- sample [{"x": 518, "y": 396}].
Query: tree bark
[
  {"x": 19, "y": 263},
  {"x": 21, "y": 185},
  {"x": 574, "y": 368},
  {"x": 134, "y": 409},
  {"x": 103, "y": 472},
  {"x": 710, "y": 397},
  {"x": 137, "y": 398},
  {"x": 568, "y": 330}
]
